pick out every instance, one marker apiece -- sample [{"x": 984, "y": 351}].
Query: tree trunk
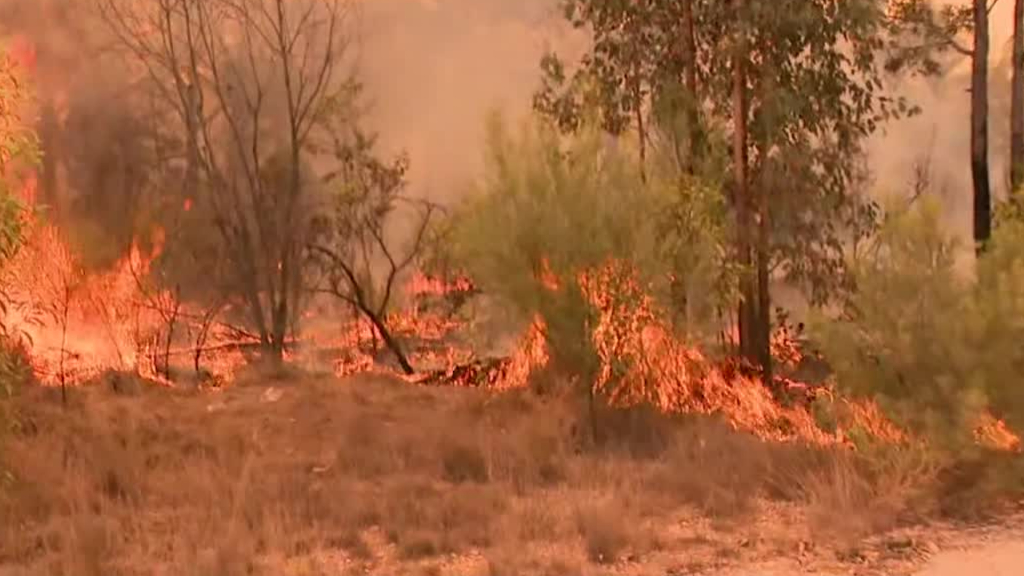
[
  {"x": 690, "y": 73},
  {"x": 762, "y": 329},
  {"x": 1017, "y": 101},
  {"x": 49, "y": 136},
  {"x": 979, "y": 128},
  {"x": 641, "y": 127},
  {"x": 747, "y": 318},
  {"x": 390, "y": 342}
]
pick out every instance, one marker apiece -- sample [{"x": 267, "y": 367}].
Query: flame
[
  {"x": 547, "y": 277},
  {"x": 994, "y": 433},
  {"x": 643, "y": 361},
  {"x": 22, "y": 52},
  {"x": 78, "y": 324},
  {"x": 423, "y": 285}
]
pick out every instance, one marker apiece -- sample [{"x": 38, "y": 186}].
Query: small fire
[
  {"x": 547, "y": 277},
  {"x": 423, "y": 285},
  {"x": 78, "y": 324},
  {"x": 642, "y": 361},
  {"x": 994, "y": 433}
]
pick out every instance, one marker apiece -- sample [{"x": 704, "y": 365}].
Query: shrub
[
  {"x": 463, "y": 462},
  {"x": 934, "y": 346},
  {"x": 606, "y": 532},
  {"x": 553, "y": 207},
  {"x": 999, "y": 309},
  {"x": 902, "y": 336}
]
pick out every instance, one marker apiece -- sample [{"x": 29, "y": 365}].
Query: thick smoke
[
  {"x": 940, "y": 135},
  {"x": 434, "y": 68}
]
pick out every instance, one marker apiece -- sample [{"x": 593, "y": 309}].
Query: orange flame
[{"x": 996, "y": 434}]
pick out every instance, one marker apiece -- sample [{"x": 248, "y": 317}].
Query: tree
[
  {"x": 1017, "y": 100},
  {"x": 801, "y": 90},
  {"x": 979, "y": 127},
  {"x": 753, "y": 325},
  {"x": 18, "y": 150},
  {"x": 247, "y": 82},
  {"x": 939, "y": 31},
  {"x": 353, "y": 248}
]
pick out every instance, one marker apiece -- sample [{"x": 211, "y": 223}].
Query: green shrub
[
  {"x": 999, "y": 308},
  {"x": 19, "y": 150},
  {"x": 552, "y": 207},
  {"x": 936, "y": 347}
]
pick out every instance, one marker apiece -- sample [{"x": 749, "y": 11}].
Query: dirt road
[{"x": 1001, "y": 555}]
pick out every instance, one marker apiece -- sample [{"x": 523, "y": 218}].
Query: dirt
[
  {"x": 1000, "y": 554},
  {"x": 940, "y": 550}
]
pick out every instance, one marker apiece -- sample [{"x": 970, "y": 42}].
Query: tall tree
[
  {"x": 248, "y": 81},
  {"x": 979, "y": 127},
  {"x": 1017, "y": 100},
  {"x": 752, "y": 324},
  {"x": 802, "y": 86},
  {"x": 940, "y": 30}
]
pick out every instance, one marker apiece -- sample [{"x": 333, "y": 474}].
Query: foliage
[
  {"x": 937, "y": 349},
  {"x": 352, "y": 246},
  {"x": 694, "y": 230},
  {"x": 18, "y": 149},
  {"x": 924, "y": 31},
  {"x": 810, "y": 109},
  {"x": 1000, "y": 309},
  {"x": 553, "y": 207},
  {"x": 245, "y": 110}
]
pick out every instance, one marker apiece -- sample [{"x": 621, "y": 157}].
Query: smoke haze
[{"x": 434, "y": 68}]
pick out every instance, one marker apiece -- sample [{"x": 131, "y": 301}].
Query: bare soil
[{"x": 315, "y": 476}]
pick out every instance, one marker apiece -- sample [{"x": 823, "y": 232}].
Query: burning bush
[
  {"x": 939, "y": 351},
  {"x": 17, "y": 149},
  {"x": 566, "y": 231},
  {"x": 552, "y": 208}
]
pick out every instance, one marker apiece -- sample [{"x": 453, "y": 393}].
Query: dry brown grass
[
  {"x": 607, "y": 531},
  {"x": 377, "y": 472}
]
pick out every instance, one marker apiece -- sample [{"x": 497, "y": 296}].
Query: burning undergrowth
[{"x": 79, "y": 324}]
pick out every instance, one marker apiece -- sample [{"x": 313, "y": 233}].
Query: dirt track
[{"x": 1002, "y": 555}]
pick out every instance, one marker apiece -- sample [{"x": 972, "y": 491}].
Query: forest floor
[{"x": 314, "y": 476}]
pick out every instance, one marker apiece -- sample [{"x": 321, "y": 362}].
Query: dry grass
[
  {"x": 337, "y": 477},
  {"x": 607, "y": 531}
]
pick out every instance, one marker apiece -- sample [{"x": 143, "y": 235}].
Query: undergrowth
[{"x": 234, "y": 485}]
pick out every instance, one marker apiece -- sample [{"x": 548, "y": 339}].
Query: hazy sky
[{"x": 435, "y": 67}]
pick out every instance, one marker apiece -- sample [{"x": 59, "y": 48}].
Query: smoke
[
  {"x": 940, "y": 135},
  {"x": 434, "y": 68}
]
